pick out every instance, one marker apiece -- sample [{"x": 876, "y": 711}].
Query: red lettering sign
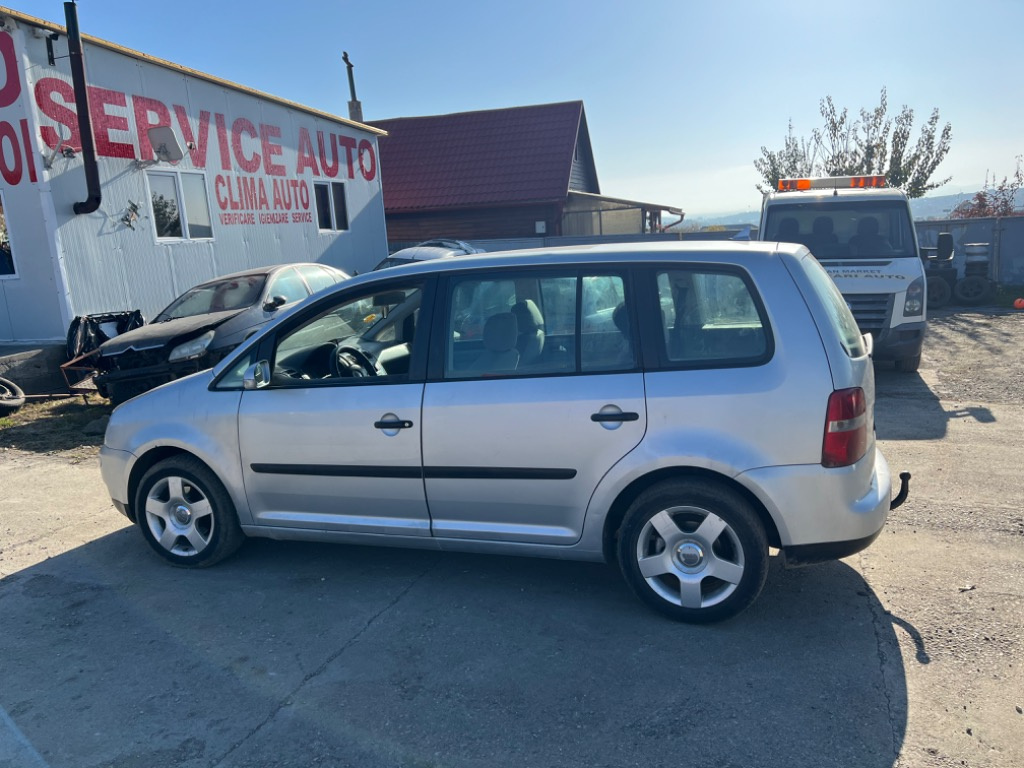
[
  {"x": 198, "y": 146},
  {"x": 46, "y": 91},
  {"x": 161, "y": 117},
  {"x": 331, "y": 168},
  {"x": 306, "y": 158},
  {"x": 222, "y": 141},
  {"x": 271, "y": 149},
  {"x": 12, "y": 73},
  {"x": 247, "y": 164},
  {"x": 11, "y": 171},
  {"x": 367, "y": 160},
  {"x": 103, "y": 122},
  {"x": 349, "y": 144}
]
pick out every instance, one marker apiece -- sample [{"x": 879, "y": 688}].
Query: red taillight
[{"x": 846, "y": 428}]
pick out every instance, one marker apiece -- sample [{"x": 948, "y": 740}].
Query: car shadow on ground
[
  {"x": 384, "y": 657},
  {"x": 907, "y": 408}
]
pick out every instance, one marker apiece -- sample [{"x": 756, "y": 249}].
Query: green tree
[
  {"x": 166, "y": 217},
  {"x": 871, "y": 143}
]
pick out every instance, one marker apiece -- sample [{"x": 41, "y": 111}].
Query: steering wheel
[{"x": 351, "y": 361}]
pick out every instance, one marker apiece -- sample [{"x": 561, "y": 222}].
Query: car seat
[
  {"x": 530, "y": 341},
  {"x": 868, "y": 240},
  {"x": 501, "y": 331}
]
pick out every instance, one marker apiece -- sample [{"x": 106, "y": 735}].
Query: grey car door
[
  {"x": 332, "y": 441},
  {"x": 539, "y": 394}
]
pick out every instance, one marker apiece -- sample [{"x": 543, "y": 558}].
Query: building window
[
  {"x": 331, "y": 209},
  {"x": 6, "y": 254},
  {"x": 181, "y": 206}
]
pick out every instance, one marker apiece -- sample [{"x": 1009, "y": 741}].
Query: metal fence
[{"x": 1004, "y": 235}]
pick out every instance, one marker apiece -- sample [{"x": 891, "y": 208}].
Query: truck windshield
[{"x": 859, "y": 229}]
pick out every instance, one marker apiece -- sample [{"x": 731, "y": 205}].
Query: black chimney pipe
[{"x": 92, "y": 171}]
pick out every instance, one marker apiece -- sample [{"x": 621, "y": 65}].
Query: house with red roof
[{"x": 501, "y": 173}]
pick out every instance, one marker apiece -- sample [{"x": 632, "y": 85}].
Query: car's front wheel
[
  {"x": 185, "y": 513},
  {"x": 694, "y": 550}
]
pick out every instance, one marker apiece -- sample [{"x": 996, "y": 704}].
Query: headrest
[
  {"x": 501, "y": 332},
  {"x": 528, "y": 316},
  {"x": 868, "y": 226}
]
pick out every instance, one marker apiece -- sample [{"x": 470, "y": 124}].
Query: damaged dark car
[{"x": 203, "y": 325}]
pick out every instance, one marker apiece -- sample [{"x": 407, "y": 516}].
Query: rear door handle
[
  {"x": 606, "y": 417},
  {"x": 393, "y": 424}
]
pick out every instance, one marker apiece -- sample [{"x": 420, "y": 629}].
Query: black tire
[
  {"x": 973, "y": 290},
  {"x": 185, "y": 514},
  {"x": 735, "y": 546},
  {"x": 939, "y": 292},
  {"x": 11, "y": 397},
  {"x": 908, "y": 364}
]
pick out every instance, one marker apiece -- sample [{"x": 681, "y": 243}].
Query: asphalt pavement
[{"x": 290, "y": 654}]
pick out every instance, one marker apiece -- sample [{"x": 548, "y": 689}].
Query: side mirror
[
  {"x": 945, "y": 247},
  {"x": 256, "y": 376},
  {"x": 274, "y": 303}
]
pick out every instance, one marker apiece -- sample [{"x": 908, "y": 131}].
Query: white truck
[{"x": 863, "y": 234}]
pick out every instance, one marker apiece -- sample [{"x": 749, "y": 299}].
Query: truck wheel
[
  {"x": 11, "y": 397},
  {"x": 939, "y": 292},
  {"x": 973, "y": 290},
  {"x": 908, "y": 364}
]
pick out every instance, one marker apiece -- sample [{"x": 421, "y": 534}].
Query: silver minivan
[{"x": 675, "y": 408}]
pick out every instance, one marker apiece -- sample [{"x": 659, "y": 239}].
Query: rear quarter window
[
  {"x": 711, "y": 318},
  {"x": 838, "y": 311}
]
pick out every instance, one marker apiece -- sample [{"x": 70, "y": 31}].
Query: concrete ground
[{"x": 909, "y": 654}]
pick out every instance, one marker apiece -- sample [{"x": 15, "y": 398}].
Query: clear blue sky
[{"x": 679, "y": 96}]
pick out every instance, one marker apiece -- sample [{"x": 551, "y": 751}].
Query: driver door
[{"x": 325, "y": 445}]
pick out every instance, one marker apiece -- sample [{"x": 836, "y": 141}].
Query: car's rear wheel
[
  {"x": 185, "y": 513},
  {"x": 694, "y": 550}
]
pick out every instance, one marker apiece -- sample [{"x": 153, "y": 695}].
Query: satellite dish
[{"x": 165, "y": 144}]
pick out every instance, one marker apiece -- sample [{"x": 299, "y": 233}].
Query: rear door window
[{"x": 537, "y": 323}]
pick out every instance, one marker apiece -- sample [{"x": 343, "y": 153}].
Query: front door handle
[{"x": 602, "y": 418}]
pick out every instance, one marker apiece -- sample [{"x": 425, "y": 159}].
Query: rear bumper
[
  {"x": 827, "y": 511},
  {"x": 808, "y": 554}
]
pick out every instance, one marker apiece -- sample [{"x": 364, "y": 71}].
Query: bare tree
[{"x": 873, "y": 143}]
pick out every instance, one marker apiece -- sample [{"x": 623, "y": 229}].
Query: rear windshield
[
  {"x": 835, "y": 305},
  {"x": 860, "y": 229}
]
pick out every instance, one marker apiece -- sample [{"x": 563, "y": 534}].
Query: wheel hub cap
[
  {"x": 690, "y": 556},
  {"x": 182, "y": 515}
]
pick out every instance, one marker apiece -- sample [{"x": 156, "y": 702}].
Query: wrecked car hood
[{"x": 160, "y": 334}]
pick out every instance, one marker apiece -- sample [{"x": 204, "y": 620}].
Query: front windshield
[
  {"x": 219, "y": 296},
  {"x": 872, "y": 229}
]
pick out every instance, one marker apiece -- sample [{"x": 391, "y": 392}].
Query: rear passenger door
[{"x": 534, "y": 393}]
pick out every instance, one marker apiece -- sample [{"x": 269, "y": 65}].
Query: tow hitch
[{"x": 904, "y": 490}]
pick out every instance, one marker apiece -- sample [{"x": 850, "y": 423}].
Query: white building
[{"x": 197, "y": 177}]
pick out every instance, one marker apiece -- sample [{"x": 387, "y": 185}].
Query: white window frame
[
  {"x": 331, "y": 207},
  {"x": 186, "y": 236}
]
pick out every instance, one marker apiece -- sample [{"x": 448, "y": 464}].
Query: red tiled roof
[{"x": 470, "y": 159}]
